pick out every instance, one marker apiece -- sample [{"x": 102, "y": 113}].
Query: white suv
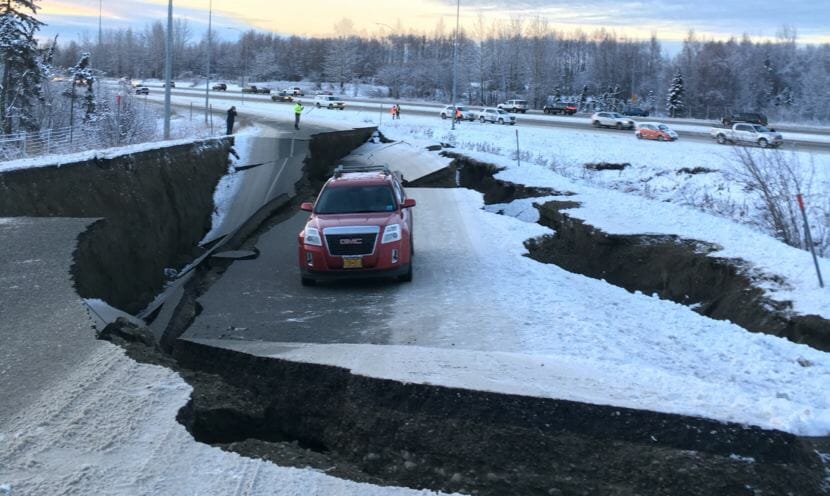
[
  {"x": 514, "y": 106},
  {"x": 495, "y": 115},
  {"x": 611, "y": 119},
  {"x": 466, "y": 114},
  {"x": 329, "y": 102}
]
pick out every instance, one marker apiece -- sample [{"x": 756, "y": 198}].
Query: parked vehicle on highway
[
  {"x": 751, "y": 117},
  {"x": 256, "y": 89},
  {"x": 655, "y": 131},
  {"x": 611, "y": 119},
  {"x": 634, "y": 111},
  {"x": 220, "y": 87},
  {"x": 296, "y": 91},
  {"x": 745, "y": 133},
  {"x": 496, "y": 115},
  {"x": 329, "y": 102},
  {"x": 283, "y": 96},
  {"x": 561, "y": 108},
  {"x": 360, "y": 226},
  {"x": 142, "y": 90},
  {"x": 466, "y": 113},
  {"x": 514, "y": 106},
  {"x": 172, "y": 84}
]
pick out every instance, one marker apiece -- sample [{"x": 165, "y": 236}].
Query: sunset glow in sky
[{"x": 670, "y": 20}]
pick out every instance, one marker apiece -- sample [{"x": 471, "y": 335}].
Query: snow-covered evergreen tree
[
  {"x": 23, "y": 71},
  {"x": 82, "y": 77},
  {"x": 674, "y": 102}
]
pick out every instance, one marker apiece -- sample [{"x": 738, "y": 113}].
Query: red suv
[{"x": 360, "y": 226}]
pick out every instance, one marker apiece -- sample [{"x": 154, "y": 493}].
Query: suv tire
[
  {"x": 763, "y": 143},
  {"x": 721, "y": 139},
  {"x": 619, "y": 126},
  {"x": 481, "y": 119},
  {"x": 596, "y": 123},
  {"x": 501, "y": 121},
  {"x": 408, "y": 276}
]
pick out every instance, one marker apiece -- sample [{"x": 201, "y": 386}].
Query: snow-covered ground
[{"x": 110, "y": 428}]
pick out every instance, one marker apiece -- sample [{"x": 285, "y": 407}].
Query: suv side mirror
[
  {"x": 307, "y": 206},
  {"x": 408, "y": 203}
]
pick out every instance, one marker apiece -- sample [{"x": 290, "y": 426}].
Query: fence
[{"x": 60, "y": 140}]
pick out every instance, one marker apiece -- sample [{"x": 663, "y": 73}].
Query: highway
[{"x": 803, "y": 138}]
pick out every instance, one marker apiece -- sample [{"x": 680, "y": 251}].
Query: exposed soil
[
  {"x": 154, "y": 207},
  {"x": 676, "y": 269},
  {"x": 421, "y": 436}
]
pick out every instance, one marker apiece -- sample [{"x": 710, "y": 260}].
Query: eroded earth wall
[{"x": 154, "y": 206}]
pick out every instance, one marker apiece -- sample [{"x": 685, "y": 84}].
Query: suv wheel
[
  {"x": 596, "y": 123},
  {"x": 763, "y": 143},
  {"x": 721, "y": 139},
  {"x": 481, "y": 119},
  {"x": 407, "y": 277},
  {"x": 501, "y": 121},
  {"x": 619, "y": 125},
  {"x": 318, "y": 105},
  {"x": 443, "y": 116}
]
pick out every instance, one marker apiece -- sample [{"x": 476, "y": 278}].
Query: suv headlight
[
  {"x": 312, "y": 236},
  {"x": 392, "y": 232}
]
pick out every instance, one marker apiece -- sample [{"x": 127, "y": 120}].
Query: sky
[{"x": 669, "y": 20}]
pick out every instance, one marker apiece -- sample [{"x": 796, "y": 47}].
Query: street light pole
[
  {"x": 207, "y": 70},
  {"x": 454, "y": 63},
  {"x": 168, "y": 68},
  {"x": 100, "y": 9}
]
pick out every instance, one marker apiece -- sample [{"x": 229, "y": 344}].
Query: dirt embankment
[
  {"x": 676, "y": 269},
  {"x": 423, "y": 436},
  {"x": 154, "y": 207}
]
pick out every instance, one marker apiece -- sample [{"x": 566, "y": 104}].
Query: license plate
[{"x": 352, "y": 262}]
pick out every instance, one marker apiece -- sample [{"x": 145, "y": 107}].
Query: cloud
[
  {"x": 722, "y": 17},
  {"x": 670, "y": 20}
]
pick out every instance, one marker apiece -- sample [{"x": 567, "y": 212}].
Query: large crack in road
[{"x": 421, "y": 436}]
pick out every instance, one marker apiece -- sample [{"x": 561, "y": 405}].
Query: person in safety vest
[{"x": 298, "y": 109}]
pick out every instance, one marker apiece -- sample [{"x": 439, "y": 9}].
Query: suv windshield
[{"x": 356, "y": 199}]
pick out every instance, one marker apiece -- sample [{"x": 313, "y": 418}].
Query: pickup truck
[
  {"x": 746, "y": 133},
  {"x": 254, "y": 89},
  {"x": 560, "y": 108}
]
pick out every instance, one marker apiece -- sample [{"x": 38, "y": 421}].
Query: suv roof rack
[{"x": 341, "y": 169}]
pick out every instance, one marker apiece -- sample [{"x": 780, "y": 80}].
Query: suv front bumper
[{"x": 342, "y": 274}]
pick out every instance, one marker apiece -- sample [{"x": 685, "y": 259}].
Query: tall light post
[
  {"x": 454, "y": 63},
  {"x": 168, "y": 68},
  {"x": 100, "y": 9},
  {"x": 207, "y": 69}
]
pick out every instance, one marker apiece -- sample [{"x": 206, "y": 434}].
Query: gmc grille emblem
[{"x": 351, "y": 241}]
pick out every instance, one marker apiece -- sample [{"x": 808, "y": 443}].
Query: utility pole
[
  {"x": 207, "y": 71},
  {"x": 168, "y": 68},
  {"x": 100, "y": 9},
  {"x": 454, "y": 63}
]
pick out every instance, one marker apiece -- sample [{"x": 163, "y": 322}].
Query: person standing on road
[
  {"x": 393, "y": 110},
  {"x": 298, "y": 109},
  {"x": 458, "y": 115},
  {"x": 397, "y": 111},
  {"x": 231, "y": 118}
]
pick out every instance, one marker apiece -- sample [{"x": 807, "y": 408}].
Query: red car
[
  {"x": 654, "y": 131},
  {"x": 359, "y": 227}
]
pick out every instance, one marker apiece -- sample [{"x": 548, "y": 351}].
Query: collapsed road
[{"x": 270, "y": 364}]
